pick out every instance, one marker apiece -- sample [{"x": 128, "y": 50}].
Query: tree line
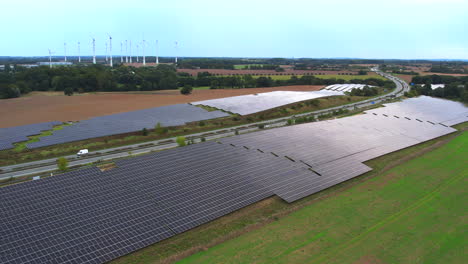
[
  {"x": 81, "y": 78},
  {"x": 456, "y": 88},
  {"x": 91, "y": 78}
]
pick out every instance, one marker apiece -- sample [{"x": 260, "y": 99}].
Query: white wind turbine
[
  {"x": 137, "y": 52},
  {"x": 79, "y": 53},
  {"x": 50, "y": 58},
  {"x": 126, "y": 51},
  {"x": 176, "y": 52},
  {"x": 94, "y": 51},
  {"x": 106, "y": 52},
  {"x": 157, "y": 53},
  {"x": 144, "y": 57},
  {"x": 130, "y": 52},
  {"x": 121, "y": 52},
  {"x": 65, "y": 50},
  {"x": 110, "y": 50}
]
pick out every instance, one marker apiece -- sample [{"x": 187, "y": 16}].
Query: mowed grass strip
[{"x": 413, "y": 213}]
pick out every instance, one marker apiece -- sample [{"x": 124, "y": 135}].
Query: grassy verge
[
  {"x": 21, "y": 155},
  {"x": 364, "y": 191}
]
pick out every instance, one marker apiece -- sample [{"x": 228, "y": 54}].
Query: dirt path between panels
[{"x": 54, "y": 106}]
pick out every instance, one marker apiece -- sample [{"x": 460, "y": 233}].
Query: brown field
[
  {"x": 54, "y": 106},
  {"x": 405, "y": 77},
  {"x": 194, "y": 72},
  {"x": 446, "y": 74}
]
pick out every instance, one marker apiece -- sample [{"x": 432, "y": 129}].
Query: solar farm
[{"x": 94, "y": 216}]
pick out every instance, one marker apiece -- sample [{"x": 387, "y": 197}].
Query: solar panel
[
  {"x": 253, "y": 103},
  {"x": 11, "y": 135},
  {"x": 172, "y": 115}
]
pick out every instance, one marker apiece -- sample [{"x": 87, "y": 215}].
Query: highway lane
[{"x": 44, "y": 166}]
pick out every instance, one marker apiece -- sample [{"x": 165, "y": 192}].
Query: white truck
[{"x": 82, "y": 152}]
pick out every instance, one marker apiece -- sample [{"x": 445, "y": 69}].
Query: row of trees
[
  {"x": 365, "y": 91},
  {"x": 438, "y": 79},
  {"x": 456, "y": 88},
  {"x": 92, "y": 78}
]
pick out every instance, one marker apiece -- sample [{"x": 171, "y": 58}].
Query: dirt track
[{"x": 44, "y": 107}]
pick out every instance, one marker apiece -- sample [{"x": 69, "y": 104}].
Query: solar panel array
[
  {"x": 172, "y": 115},
  {"x": 11, "y": 135},
  {"x": 89, "y": 216},
  {"x": 253, "y": 103},
  {"x": 427, "y": 108},
  {"x": 344, "y": 87}
]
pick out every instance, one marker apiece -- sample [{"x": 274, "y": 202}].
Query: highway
[{"x": 49, "y": 165}]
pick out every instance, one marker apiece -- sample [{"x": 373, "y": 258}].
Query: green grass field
[{"x": 412, "y": 213}]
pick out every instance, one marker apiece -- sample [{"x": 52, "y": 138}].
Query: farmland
[
  {"x": 54, "y": 106},
  {"x": 413, "y": 213}
]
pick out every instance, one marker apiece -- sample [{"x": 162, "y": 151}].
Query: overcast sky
[{"x": 403, "y": 29}]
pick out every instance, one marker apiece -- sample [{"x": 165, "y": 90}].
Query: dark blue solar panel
[
  {"x": 11, "y": 135},
  {"x": 172, "y": 115}
]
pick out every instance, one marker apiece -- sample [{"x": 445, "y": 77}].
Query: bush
[
  {"x": 202, "y": 139},
  {"x": 159, "y": 129},
  {"x": 290, "y": 122},
  {"x": 186, "y": 90},
  {"x": 261, "y": 126},
  {"x": 144, "y": 131},
  {"x": 62, "y": 163},
  {"x": 180, "y": 141},
  {"x": 68, "y": 91},
  {"x": 201, "y": 123},
  {"x": 236, "y": 132}
]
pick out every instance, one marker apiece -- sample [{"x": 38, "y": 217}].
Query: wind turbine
[
  {"x": 121, "y": 52},
  {"x": 130, "y": 53},
  {"x": 94, "y": 51},
  {"x": 144, "y": 57},
  {"x": 65, "y": 50},
  {"x": 126, "y": 51},
  {"x": 50, "y": 58},
  {"x": 110, "y": 49},
  {"x": 176, "y": 53},
  {"x": 79, "y": 54},
  {"x": 137, "y": 52},
  {"x": 106, "y": 52},
  {"x": 157, "y": 55}
]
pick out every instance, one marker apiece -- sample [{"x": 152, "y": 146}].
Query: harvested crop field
[
  {"x": 51, "y": 106},
  {"x": 407, "y": 78}
]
